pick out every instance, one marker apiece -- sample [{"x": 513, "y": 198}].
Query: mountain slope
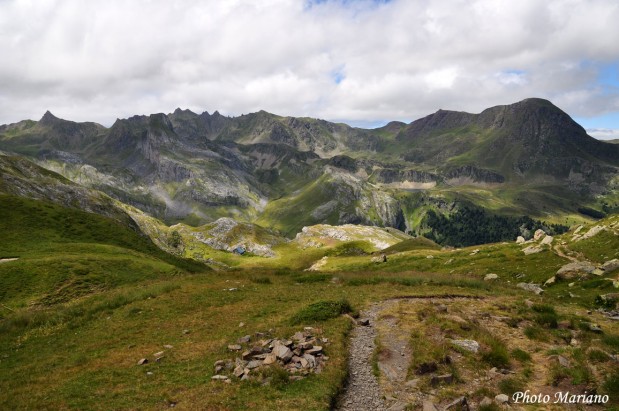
[{"x": 286, "y": 172}]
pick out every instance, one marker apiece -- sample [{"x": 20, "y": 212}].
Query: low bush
[{"x": 321, "y": 311}]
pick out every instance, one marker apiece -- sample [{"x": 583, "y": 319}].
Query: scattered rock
[
  {"x": 269, "y": 359},
  {"x": 143, "y": 361},
  {"x": 319, "y": 264},
  {"x": 534, "y": 288},
  {"x": 490, "y": 277},
  {"x": 185, "y": 332},
  {"x": 550, "y": 281},
  {"x": 520, "y": 239},
  {"x": 595, "y": 328},
  {"x": 234, "y": 347},
  {"x": 592, "y": 232},
  {"x": 598, "y": 272},
  {"x": 219, "y": 377},
  {"x": 282, "y": 352},
  {"x": 241, "y": 324},
  {"x": 485, "y": 402},
  {"x": 244, "y": 340},
  {"x": 547, "y": 240},
  {"x": 501, "y": 399},
  {"x": 475, "y": 251},
  {"x": 441, "y": 379},
  {"x": 378, "y": 259},
  {"x": 254, "y": 364},
  {"x": 364, "y": 321},
  {"x": 611, "y": 265},
  {"x": 239, "y": 371},
  {"x": 539, "y": 233},
  {"x": 574, "y": 270},
  {"x": 532, "y": 249},
  {"x": 469, "y": 345}
]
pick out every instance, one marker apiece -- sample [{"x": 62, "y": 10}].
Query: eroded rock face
[{"x": 323, "y": 234}]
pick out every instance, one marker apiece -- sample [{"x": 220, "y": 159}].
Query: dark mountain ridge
[{"x": 263, "y": 167}]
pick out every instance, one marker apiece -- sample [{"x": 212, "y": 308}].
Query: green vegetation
[
  {"x": 89, "y": 296},
  {"x": 321, "y": 311},
  {"x": 471, "y": 226}
]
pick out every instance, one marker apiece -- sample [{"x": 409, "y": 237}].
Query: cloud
[
  {"x": 604, "y": 133},
  {"x": 335, "y": 59}
]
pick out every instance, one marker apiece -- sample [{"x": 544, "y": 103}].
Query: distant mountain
[{"x": 285, "y": 172}]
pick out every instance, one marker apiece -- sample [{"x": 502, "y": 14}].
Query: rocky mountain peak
[{"x": 48, "y": 119}]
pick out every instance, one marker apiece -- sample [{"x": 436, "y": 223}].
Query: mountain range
[{"x": 528, "y": 158}]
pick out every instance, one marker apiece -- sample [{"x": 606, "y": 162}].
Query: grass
[
  {"x": 321, "y": 311},
  {"x": 88, "y": 298}
]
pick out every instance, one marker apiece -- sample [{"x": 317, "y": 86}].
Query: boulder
[
  {"x": 574, "y": 270},
  {"x": 143, "y": 361},
  {"x": 501, "y": 399},
  {"x": 532, "y": 249},
  {"x": 534, "y": 288},
  {"x": 539, "y": 234},
  {"x": 244, "y": 340},
  {"x": 610, "y": 265},
  {"x": 442, "y": 379},
  {"x": 520, "y": 239},
  {"x": 469, "y": 345},
  {"x": 547, "y": 240},
  {"x": 234, "y": 347},
  {"x": 490, "y": 277}
]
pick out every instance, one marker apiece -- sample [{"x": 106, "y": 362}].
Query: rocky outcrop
[
  {"x": 324, "y": 235},
  {"x": 228, "y": 235},
  {"x": 473, "y": 174}
]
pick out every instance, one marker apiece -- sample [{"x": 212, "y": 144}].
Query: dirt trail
[{"x": 362, "y": 391}]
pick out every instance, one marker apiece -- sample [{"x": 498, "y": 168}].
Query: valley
[{"x": 199, "y": 261}]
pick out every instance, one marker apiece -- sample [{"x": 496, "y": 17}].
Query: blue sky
[{"x": 364, "y": 62}]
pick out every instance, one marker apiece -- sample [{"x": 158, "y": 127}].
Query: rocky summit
[{"x": 286, "y": 173}]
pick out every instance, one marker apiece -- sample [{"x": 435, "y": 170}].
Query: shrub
[
  {"x": 511, "y": 385},
  {"x": 498, "y": 355},
  {"x": 521, "y": 355},
  {"x": 322, "y": 311}
]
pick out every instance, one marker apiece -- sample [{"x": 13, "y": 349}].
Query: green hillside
[{"x": 65, "y": 253}]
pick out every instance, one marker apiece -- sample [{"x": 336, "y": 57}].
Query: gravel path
[{"x": 362, "y": 392}]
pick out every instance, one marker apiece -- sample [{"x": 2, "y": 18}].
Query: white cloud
[
  {"x": 604, "y": 133},
  {"x": 99, "y": 60}
]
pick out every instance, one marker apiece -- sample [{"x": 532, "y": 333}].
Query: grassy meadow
[{"x": 88, "y": 298}]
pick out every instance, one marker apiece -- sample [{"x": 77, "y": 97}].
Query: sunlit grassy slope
[{"x": 88, "y": 298}]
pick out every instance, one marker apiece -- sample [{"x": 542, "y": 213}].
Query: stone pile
[{"x": 300, "y": 355}]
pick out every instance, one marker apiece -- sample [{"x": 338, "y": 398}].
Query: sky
[{"x": 363, "y": 62}]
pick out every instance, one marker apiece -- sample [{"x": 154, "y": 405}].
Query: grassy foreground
[{"x": 87, "y": 299}]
